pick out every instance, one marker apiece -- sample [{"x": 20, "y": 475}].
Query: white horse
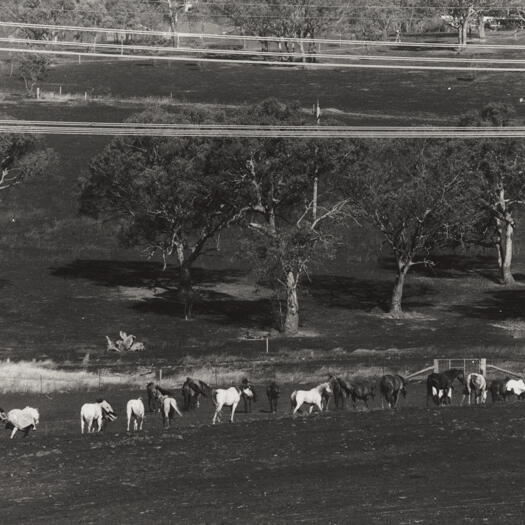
[
  {"x": 95, "y": 412},
  {"x": 168, "y": 407},
  {"x": 476, "y": 384},
  {"x": 515, "y": 386},
  {"x": 135, "y": 411},
  {"x": 26, "y": 419},
  {"x": 229, "y": 397},
  {"x": 313, "y": 397}
]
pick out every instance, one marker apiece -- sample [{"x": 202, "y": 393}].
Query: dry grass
[{"x": 45, "y": 377}]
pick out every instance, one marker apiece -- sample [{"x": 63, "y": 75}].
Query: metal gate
[{"x": 469, "y": 366}]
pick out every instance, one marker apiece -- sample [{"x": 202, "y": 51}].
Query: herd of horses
[{"x": 93, "y": 416}]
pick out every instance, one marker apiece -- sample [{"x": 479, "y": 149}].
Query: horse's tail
[
  {"x": 214, "y": 396},
  {"x": 293, "y": 400}
]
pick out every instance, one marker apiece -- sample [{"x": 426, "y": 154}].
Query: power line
[
  {"x": 253, "y": 131},
  {"x": 263, "y": 54},
  {"x": 200, "y": 36}
]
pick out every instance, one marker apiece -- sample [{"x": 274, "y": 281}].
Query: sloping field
[{"x": 454, "y": 465}]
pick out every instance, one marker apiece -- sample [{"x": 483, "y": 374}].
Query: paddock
[{"x": 290, "y": 469}]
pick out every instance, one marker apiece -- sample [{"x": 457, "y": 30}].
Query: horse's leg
[
  {"x": 234, "y": 406},
  {"x": 177, "y": 410},
  {"x": 297, "y": 407},
  {"x": 218, "y": 408},
  {"x": 14, "y": 432},
  {"x": 81, "y": 425}
]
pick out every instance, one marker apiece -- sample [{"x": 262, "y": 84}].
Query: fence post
[
  {"x": 436, "y": 366},
  {"x": 483, "y": 366},
  {"x": 267, "y": 346},
  {"x": 216, "y": 382},
  {"x": 41, "y": 385},
  {"x": 99, "y": 380}
]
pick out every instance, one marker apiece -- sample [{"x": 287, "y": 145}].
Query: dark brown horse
[
  {"x": 153, "y": 397},
  {"x": 248, "y": 394},
  {"x": 440, "y": 386},
  {"x": 192, "y": 391},
  {"x": 391, "y": 386},
  {"x": 272, "y": 393},
  {"x": 363, "y": 392},
  {"x": 340, "y": 390}
]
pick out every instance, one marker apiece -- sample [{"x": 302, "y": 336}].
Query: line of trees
[{"x": 288, "y": 198}]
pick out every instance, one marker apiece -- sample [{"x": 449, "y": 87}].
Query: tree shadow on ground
[
  {"x": 138, "y": 273},
  {"x": 364, "y": 294},
  {"x": 451, "y": 267},
  {"x": 216, "y": 307},
  {"x": 503, "y": 304}
]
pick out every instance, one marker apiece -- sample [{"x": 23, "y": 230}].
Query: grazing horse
[
  {"x": 95, "y": 412},
  {"x": 273, "y": 393},
  {"x": 26, "y": 419},
  {"x": 229, "y": 397},
  {"x": 497, "y": 389},
  {"x": 476, "y": 384},
  {"x": 312, "y": 397},
  {"x": 340, "y": 390},
  {"x": 248, "y": 395},
  {"x": 192, "y": 390},
  {"x": 168, "y": 408},
  {"x": 363, "y": 392},
  {"x": 135, "y": 412},
  {"x": 153, "y": 397},
  {"x": 439, "y": 386},
  {"x": 391, "y": 386},
  {"x": 515, "y": 387}
]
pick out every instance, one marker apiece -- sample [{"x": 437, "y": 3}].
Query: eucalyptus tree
[{"x": 416, "y": 193}]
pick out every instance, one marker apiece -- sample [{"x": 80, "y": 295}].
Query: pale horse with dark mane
[
  {"x": 476, "y": 387},
  {"x": 25, "y": 419},
  {"x": 229, "y": 397},
  {"x": 98, "y": 412},
  {"x": 313, "y": 397},
  {"x": 135, "y": 412},
  {"x": 168, "y": 409}
]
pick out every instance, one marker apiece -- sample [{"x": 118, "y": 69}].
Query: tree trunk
[
  {"x": 481, "y": 27},
  {"x": 397, "y": 293},
  {"x": 185, "y": 290},
  {"x": 506, "y": 273},
  {"x": 291, "y": 321}
]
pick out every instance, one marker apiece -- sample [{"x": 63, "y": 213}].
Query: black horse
[
  {"x": 273, "y": 393},
  {"x": 390, "y": 387},
  {"x": 192, "y": 391},
  {"x": 440, "y": 386},
  {"x": 363, "y": 392},
  {"x": 497, "y": 389},
  {"x": 246, "y": 386},
  {"x": 340, "y": 390}
]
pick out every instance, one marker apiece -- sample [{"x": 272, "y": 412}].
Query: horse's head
[
  {"x": 107, "y": 410},
  {"x": 460, "y": 376},
  {"x": 403, "y": 389},
  {"x": 3, "y": 415},
  {"x": 34, "y": 414},
  {"x": 326, "y": 388}
]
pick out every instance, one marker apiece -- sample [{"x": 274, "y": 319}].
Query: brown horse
[{"x": 390, "y": 387}]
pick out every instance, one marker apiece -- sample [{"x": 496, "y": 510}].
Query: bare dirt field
[{"x": 413, "y": 465}]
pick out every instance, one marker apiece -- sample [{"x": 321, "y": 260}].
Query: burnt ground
[{"x": 413, "y": 465}]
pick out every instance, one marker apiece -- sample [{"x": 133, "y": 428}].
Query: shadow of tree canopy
[
  {"x": 364, "y": 294},
  {"x": 217, "y": 307},
  {"x": 138, "y": 273},
  {"x": 496, "y": 305},
  {"x": 451, "y": 266}
]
